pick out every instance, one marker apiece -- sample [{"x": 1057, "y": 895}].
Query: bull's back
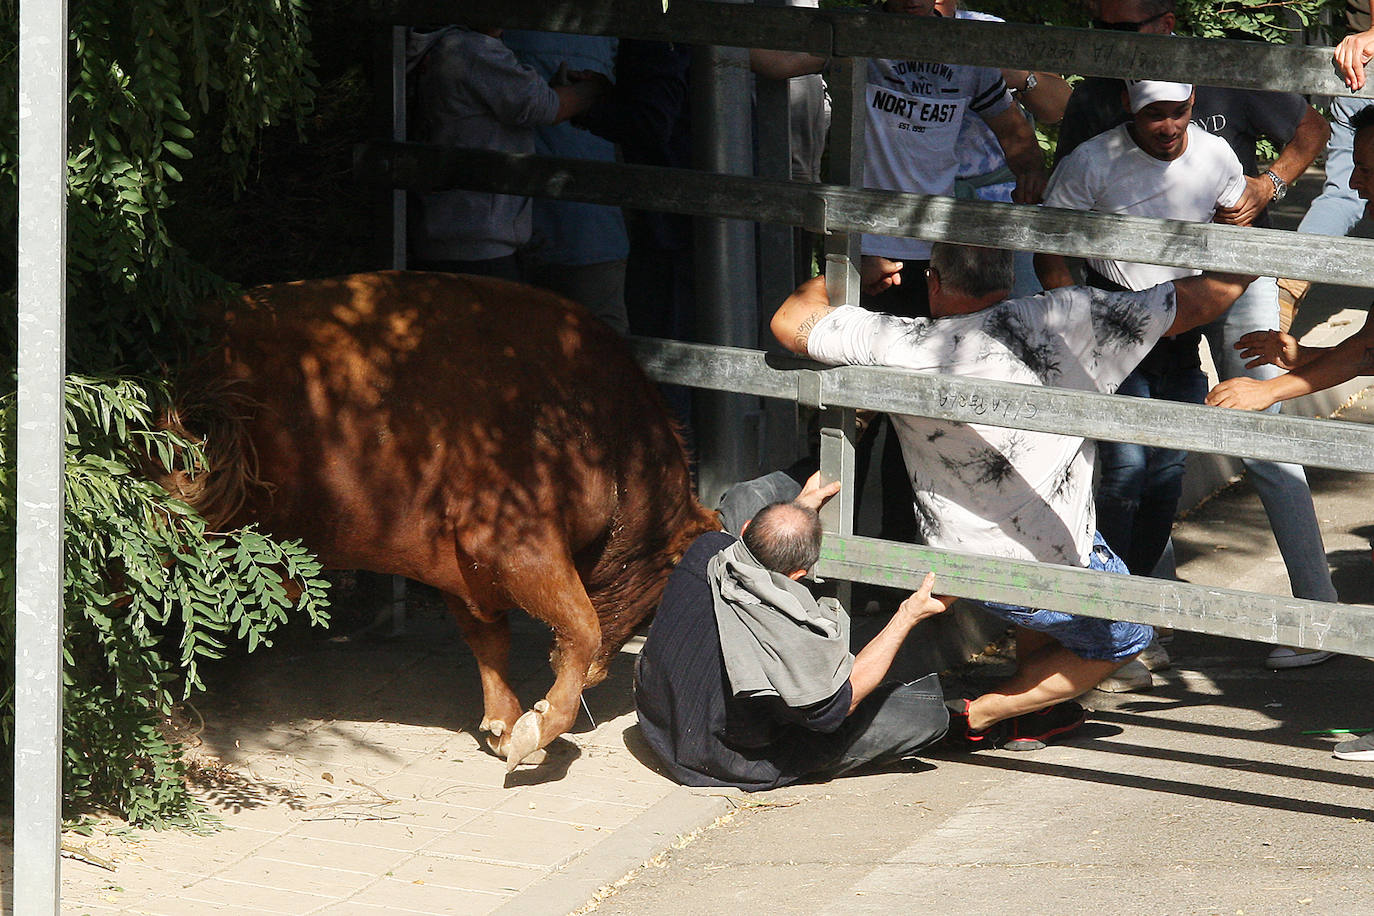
[{"x": 395, "y": 409}]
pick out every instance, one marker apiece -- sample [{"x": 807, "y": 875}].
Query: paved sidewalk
[{"x": 350, "y": 780}]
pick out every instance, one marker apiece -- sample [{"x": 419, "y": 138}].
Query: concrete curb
[{"x": 682, "y": 812}]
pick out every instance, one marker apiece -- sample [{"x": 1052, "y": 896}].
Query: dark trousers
[
  {"x": 892, "y": 722},
  {"x": 909, "y": 299}
]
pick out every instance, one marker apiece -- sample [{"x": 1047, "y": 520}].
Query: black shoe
[
  {"x": 964, "y": 738},
  {"x": 1034, "y": 730}
]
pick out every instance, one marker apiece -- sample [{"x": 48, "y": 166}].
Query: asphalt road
[{"x": 1204, "y": 795}]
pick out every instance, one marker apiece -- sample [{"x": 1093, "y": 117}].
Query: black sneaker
[
  {"x": 1034, "y": 730},
  {"x": 964, "y": 738}
]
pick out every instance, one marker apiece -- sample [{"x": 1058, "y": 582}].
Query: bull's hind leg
[
  {"x": 488, "y": 635},
  {"x": 549, "y": 590}
]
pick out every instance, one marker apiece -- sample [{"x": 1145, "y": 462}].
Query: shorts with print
[{"x": 1087, "y": 637}]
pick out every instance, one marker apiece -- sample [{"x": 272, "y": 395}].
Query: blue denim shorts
[{"x": 1086, "y": 637}]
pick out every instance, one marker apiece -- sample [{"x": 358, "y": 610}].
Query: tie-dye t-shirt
[{"x": 991, "y": 490}]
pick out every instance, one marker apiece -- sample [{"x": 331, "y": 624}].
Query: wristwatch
[
  {"x": 1031, "y": 82},
  {"x": 1280, "y": 186}
]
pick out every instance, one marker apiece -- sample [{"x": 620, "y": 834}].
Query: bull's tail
[
  {"x": 213, "y": 415},
  {"x": 643, "y": 545}
]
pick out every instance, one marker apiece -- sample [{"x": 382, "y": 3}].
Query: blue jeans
[
  {"x": 1139, "y": 485},
  {"x": 1282, "y": 488},
  {"x": 1337, "y": 209},
  {"x": 1087, "y": 637}
]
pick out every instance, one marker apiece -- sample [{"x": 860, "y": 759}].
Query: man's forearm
[
  {"x": 1307, "y": 143},
  {"x": 1329, "y": 367},
  {"x": 873, "y": 661},
  {"x": 1052, "y": 270}
]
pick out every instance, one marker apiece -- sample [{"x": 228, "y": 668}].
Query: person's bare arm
[
  {"x": 576, "y": 96},
  {"x": 1204, "y": 297},
  {"x": 1047, "y": 100},
  {"x": 1052, "y": 270},
  {"x": 873, "y": 661},
  {"x": 799, "y": 313},
  {"x": 1328, "y": 367},
  {"x": 781, "y": 65},
  {"x": 1300, "y": 152},
  {"x": 1022, "y": 152}
]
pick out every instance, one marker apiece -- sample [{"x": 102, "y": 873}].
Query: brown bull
[{"x": 480, "y": 436}]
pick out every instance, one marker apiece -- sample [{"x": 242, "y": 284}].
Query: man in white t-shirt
[
  {"x": 1153, "y": 165},
  {"x": 1006, "y": 492},
  {"x": 915, "y": 109}
]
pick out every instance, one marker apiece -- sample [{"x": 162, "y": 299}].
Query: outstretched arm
[
  {"x": 1323, "y": 368},
  {"x": 873, "y": 661},
  {"x": 1204, "y": 297},
  {"x": 781, "y": 65},
  {"x": 799, "y": 313}
]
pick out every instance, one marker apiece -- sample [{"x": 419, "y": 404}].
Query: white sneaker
[
  {"x": 1359, "y": 749},
  {"x": 1294, "y": 657},
  {"x": 1155, "y": 657},
  {"x": 1129, "y": 677}
]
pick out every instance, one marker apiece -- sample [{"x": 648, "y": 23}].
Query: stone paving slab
[{"x": 349, "y": 779}]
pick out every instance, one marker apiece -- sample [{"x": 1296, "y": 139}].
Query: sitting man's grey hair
[
  {"x": 785, "y": 537},
  {"x": 972, "y": 270}
]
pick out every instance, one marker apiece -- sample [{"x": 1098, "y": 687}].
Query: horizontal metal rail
[
  {"x": 1275, "y": 620},
  {"x": 853, "y": 33},
  {"x": 1318, "y": 443},
  {"x": 822, "y": 208}
]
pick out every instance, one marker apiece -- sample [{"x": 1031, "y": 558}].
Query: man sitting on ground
[
  {"x": 746, "y": 680},
  {"x": 1007, "y": 492}
]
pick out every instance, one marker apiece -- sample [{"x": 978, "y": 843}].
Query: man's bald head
[{"x": 785, "y": 538}]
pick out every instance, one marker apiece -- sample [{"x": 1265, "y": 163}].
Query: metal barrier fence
[
  {"x": 845, "y": 37},
  {"x": 842, "y": 212}
]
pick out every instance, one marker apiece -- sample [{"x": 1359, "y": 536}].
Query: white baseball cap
[{"x": 1144, "y": 92}]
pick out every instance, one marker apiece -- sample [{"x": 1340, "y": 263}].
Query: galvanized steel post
[
  {"x": 726, "y": 425},
  {"x": 38, "y": 524}
]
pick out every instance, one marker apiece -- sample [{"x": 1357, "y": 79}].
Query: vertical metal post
[
  {"x": 776, "y": 259},
  {"x": 847, "y": 78},
  {"x": 399, "y": 244},
  {"x": 38, "y": 525},
  {"x": 726, "y": 292},
  {"x": 399, "y": 129}
]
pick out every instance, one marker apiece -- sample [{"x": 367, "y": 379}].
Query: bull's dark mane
[{"x": 627, "y": 579}]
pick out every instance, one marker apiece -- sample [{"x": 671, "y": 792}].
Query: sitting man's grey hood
[{"x": 775, "y": 638}]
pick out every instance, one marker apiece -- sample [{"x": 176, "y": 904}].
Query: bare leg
[
  {"x": 1029, "y": 641},
  {"x": 1045, "y": 676}
]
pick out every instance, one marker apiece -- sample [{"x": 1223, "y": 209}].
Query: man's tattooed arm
[{"x": 803, "y": 334}]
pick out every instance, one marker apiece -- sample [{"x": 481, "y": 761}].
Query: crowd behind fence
[{"x": 840, "y": 213}]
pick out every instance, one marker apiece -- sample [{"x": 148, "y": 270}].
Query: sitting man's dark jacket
[{"x": 707, "y": 735}]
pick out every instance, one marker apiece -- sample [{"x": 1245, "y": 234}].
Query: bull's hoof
[
  {"x": 525, "y": 735},
  {"x": 494, "y": 729}
]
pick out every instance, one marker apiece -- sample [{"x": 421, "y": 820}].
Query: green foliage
[
  {"x": 149, "y": 594},
  {"x": 159, "y": 90},
  {"x": 156, "y": 86},
  {"x": 1275, "y": 21}
]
